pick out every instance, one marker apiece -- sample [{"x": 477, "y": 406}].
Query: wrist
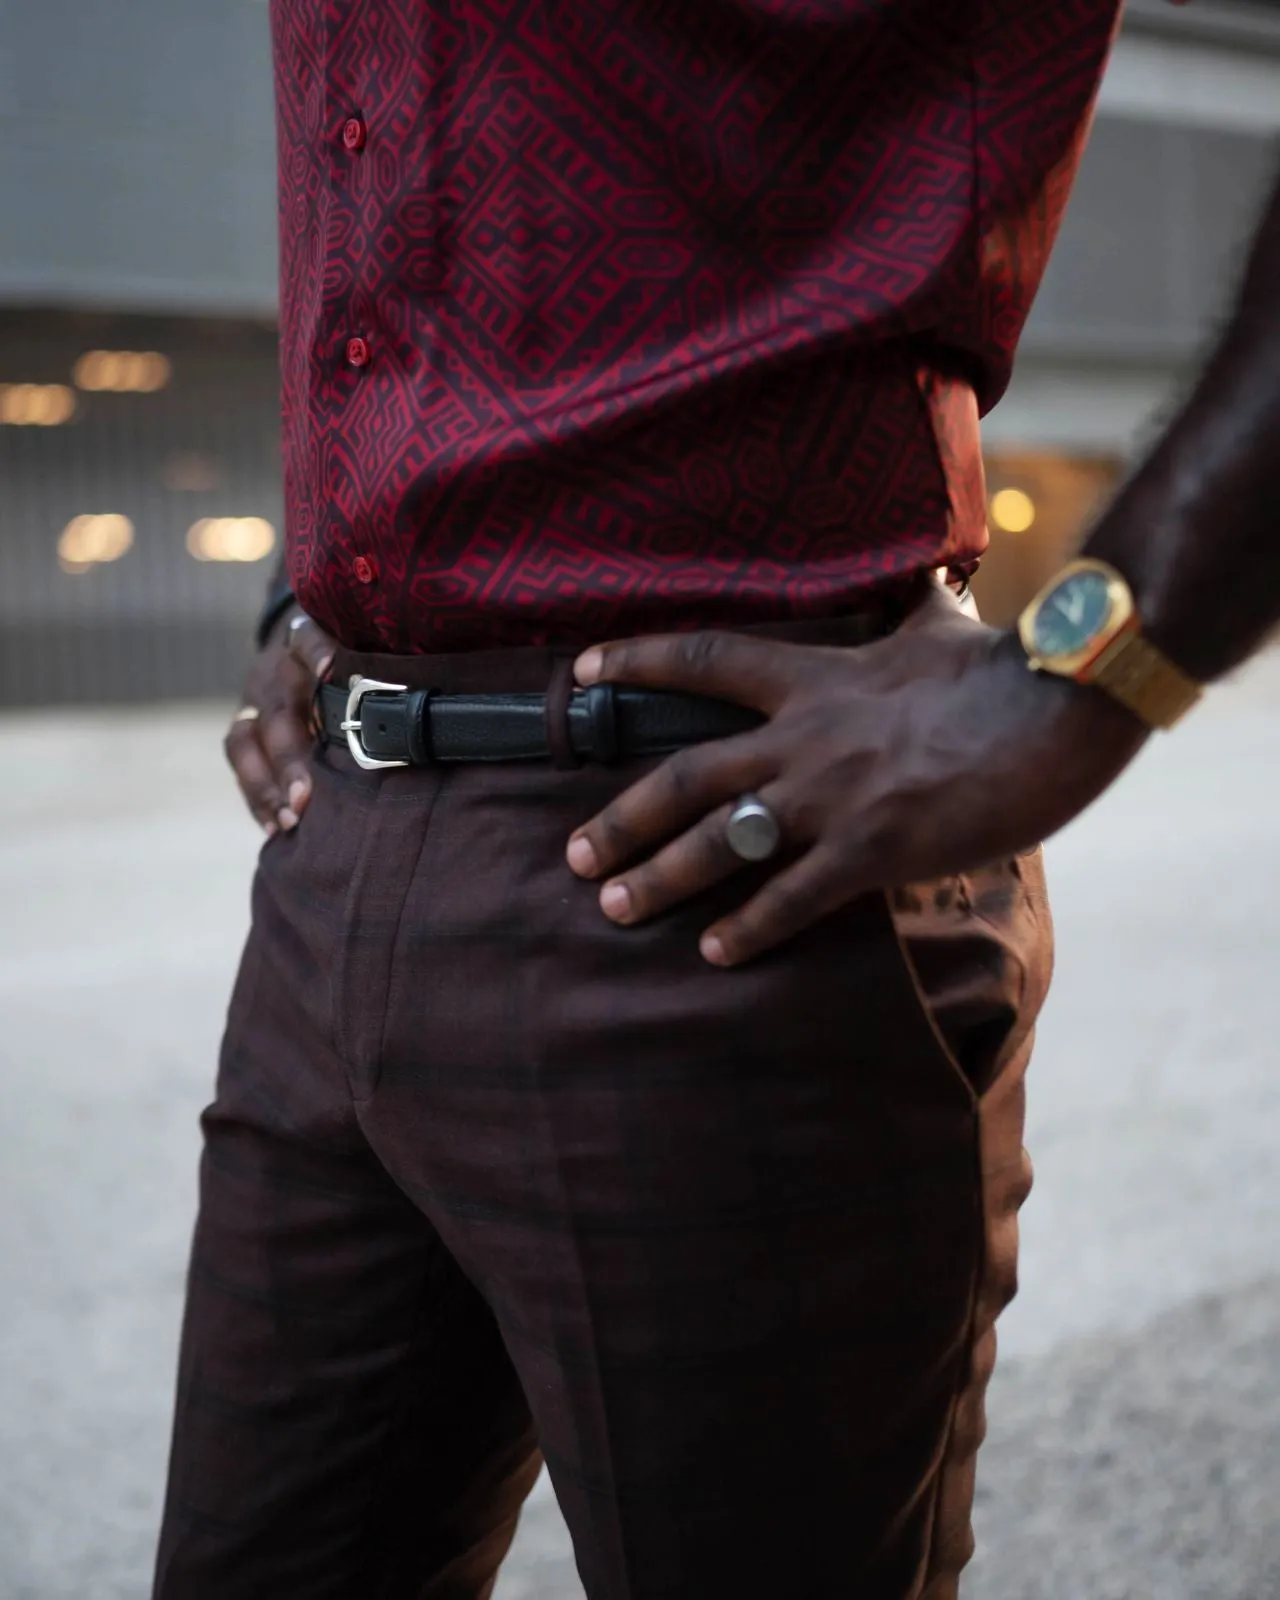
[
  {"x": 275, "y": 617},
  {"x": 1077, "y": 713},
  {"x": 1051, "y": 745}
]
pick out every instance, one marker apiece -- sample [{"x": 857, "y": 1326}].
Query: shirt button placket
[{"x": 354, "y": 136}]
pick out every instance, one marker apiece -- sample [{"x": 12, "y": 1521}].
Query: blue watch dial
[{"x": 1071, "y": 614}]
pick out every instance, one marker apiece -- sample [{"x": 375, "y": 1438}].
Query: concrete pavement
[{"x": 1135, "y": 1444}]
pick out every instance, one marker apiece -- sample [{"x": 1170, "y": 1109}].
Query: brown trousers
[{"x": 488, "y": 1179}]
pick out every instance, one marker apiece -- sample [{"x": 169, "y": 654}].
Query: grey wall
[
  {"x": 137, "y": 171},
  {"x": 137, "y": 154},
  {"x": 1152, "y": 241}
]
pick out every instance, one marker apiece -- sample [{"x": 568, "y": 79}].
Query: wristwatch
[{"x": 1084, "y": 625}]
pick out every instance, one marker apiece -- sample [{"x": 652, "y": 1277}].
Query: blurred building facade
[
  {"x": 140, "y": 503},
  {"x": 1183, "y": 149}
]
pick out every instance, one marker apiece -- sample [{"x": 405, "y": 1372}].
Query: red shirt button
[
  {"x": 364, "y": 569},
  {"x": 358, "y": 352},
  {"x": 353, "y": 133}
]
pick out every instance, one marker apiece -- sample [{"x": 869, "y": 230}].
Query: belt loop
[
  {"x": 417, "y": 713},
  {"x": 559, "y": 693},
  {"x": 602, "y": 719}
]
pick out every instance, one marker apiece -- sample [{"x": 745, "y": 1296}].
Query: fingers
[
  {"x": 254, "y": 774},
  {"x": 286, "y": 737},
  {"x": 818, "y": 884},
  {"x": 693, "y": 863},
  {"x": 269, "y": 756},
  {"x": 730, "y": 666},
  {"x": 671, "y": 797},
  {"x": 310, "y": 645},
  {"x": 287, "y": 734},
  {"x": 270, "y": 753}
]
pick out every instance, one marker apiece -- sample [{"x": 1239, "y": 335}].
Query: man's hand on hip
[
  {"x": 927, "y": 753},
  {"x": 272, "y": 734}
]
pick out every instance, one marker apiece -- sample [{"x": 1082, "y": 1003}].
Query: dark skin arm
[{"x": 937, "y": 749}]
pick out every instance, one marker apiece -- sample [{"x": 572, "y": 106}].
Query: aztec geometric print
[{"x": 602, "y": 316}]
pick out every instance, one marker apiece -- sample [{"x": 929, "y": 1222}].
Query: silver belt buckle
[{"x": 359, "y": 687}]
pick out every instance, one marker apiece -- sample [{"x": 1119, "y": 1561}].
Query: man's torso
[{"x": 598, "y": 318}]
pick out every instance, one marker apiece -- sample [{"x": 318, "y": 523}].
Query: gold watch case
[{"x": 1120, "y": 617}]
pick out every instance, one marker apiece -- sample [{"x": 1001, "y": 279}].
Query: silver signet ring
[{"x": 752, "y": 830}]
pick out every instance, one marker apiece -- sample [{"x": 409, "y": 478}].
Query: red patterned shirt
[{"x": 600, "y": 316}]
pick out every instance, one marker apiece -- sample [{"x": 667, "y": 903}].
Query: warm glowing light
[
  {"x": 36, "y": 405},
  {"x": 89, "y": 540},
  {"x": 231, "y": 538},
  {"x": 122, "y": 371},
  {"x": 1013, "y": 510}
]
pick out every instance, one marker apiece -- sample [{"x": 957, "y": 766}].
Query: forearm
[{"x": 1197, "y": 529}]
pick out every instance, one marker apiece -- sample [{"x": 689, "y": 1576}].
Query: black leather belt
[{"x": 385, "y": 726}]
